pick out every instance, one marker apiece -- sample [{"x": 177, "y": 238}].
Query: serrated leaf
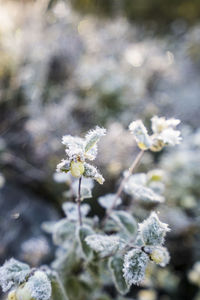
[
  {"x": 116, "y": 268},
  {"x": 13, "y": 272},
  {"x": 82, "y": 233},
  {"x": 135, "y": 262},
  {"x": 105, "y": 245},
  {"x": 153, "y": 231},
  {"x": 125, "y": 221}
]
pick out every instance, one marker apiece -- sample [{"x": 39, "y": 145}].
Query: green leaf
[
  {"x": 63, "y": 230},
  {"x": 116, "y": 268},
  {"x": 125, "y": 221},
  {"x": 58, "y": 291},
  {"x": 82, "y": 233},
  {"x": 135, "y": 262}
]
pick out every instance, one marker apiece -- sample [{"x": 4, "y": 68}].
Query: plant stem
[
  {"x": 79, "y": 202},
  {"x": 123, "y": 182},
  {"x": 62, "y": 289}
]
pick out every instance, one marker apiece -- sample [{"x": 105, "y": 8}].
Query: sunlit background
[{"x": 66, "y": 66}]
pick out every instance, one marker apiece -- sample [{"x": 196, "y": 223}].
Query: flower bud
[
  {"x": 23, "y": 293},
  {"x": 77, "y": 168},
  {"x": 12, "y": 295}
]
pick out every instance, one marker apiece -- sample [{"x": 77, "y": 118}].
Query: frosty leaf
[
  {"x": 71, "y": 211},
  {"x": 63, "y": 166},
  {"x": 39, "y": 286},
  {"x": 125, "y": 221},
  {"x": 142, "y": 193},
  {"x": 93, "y": 137},
  {"x": 74, "y": 145},
  {"x": 153, "y": 231},
  {"x": 105, "y": 245},
  {"x": 170, "y": 137},
  {"x": 63, "y": 230},
  {"x": 82, "y": 233},
  {"x": 48, "y": 226},
  {"x": 85, "y": 190},
  {"x": 135, "y": 262},
  {"x": 58, "y": 292},
  {"x": 116, "y": 268},
  {"x": 61, "y": 177},
  {"x": 160, "y": 255},
  {"x": 139, "y": 131},
  {"x": 92, "y": 172},
  {"x": 13, "y": 272},
  {"x": 106, "y": 201}
]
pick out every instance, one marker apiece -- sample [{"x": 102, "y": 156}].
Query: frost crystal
[
  {"x": 106, "y": 201},
  {"x": 91, "y": 140},
  {"x": 71, "y": 212},
  {"x": 135, "y": 262},
  {"x": 140, "y": 133},
  {"x": 153, "y": 231},
  {"x": 105, "y": 245},
  {"x": 39, "y": 286},
  {"x": 13, "y": 272}
]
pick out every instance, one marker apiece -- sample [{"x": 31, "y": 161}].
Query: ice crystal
[
  {"x": 153, "y": 231},
  {"x": 13, "y": 272},
  {"x": 39, "y": 286},
  {"x": 92, "y": 172},
  {"x": 135, "y": 262}
]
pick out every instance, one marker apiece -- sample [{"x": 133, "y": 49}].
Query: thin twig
[
  {"x": 79, "y": 202},
  {"x": 121, "y": 187}
]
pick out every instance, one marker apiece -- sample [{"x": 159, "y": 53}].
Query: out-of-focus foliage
[{"x": 63, "y": 71}]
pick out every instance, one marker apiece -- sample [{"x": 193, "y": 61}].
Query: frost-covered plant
[{"x": 88, "y": 246}]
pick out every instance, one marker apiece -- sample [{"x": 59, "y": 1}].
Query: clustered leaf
[
  {"x": 77, "y": 151},
  {"x": 12, "y": 273},
  {"x": 164, "y": 133}
]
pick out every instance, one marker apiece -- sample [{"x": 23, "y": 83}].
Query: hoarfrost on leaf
[
  {"x": 116, "y": 267},
  {"x": 135, "y": 262},
  {"x": 140, "y": 133},
  {"x": 125, "y": 222},
  {"x": 13, "y": 272},
  {"x": 91, "y": 139},
  {"x": 153, "y": 231},
  {"x": 106, "y": 201},
  {"x": 92, "y": 172},
  {"x": 105, "y": 245},
  {"x": 39, "y": 286}
]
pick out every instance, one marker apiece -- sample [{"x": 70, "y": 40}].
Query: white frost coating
[
  {"x": 105, "y": 245},
  {"x": 135, "y": 262},
  {"x": 63, "y": 166},
  {"x": 71, "y": 212},
  {"x": 92, "y": 172},
  {"x": 13, "y": 272},
  {"x": 91, "y": 139},
  {"x": 39, "y": 286},
  {"x": 153, "y": 231},
  {"x": 106, "y": 201},
  {"x": 140, "y": 133},
  {"x": 160, "y": 256}
]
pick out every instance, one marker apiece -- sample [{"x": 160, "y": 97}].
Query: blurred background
[{"x": 66, "y": 66}]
